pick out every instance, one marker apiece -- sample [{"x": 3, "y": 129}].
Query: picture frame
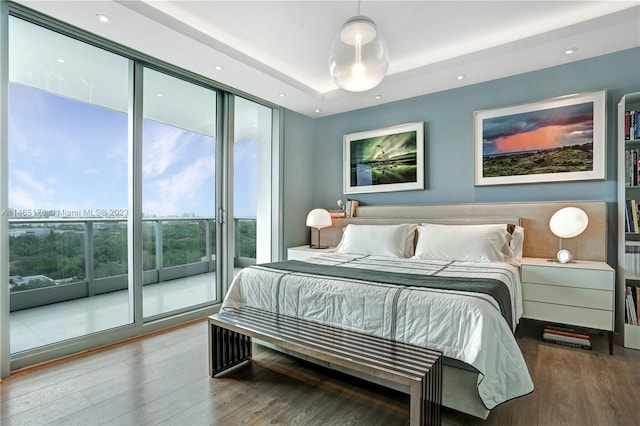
[
  {"x": 554, "y": 140},
  {"x": 384, "y": 160}
]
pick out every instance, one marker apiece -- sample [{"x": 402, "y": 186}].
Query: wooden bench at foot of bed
[{"x": 419, "y": 368}]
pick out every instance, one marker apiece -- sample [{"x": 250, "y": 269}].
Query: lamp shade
[
  {"x": 358, "y": 60},
  {"x": 568, "y": 222},
  {"x": 318, "y": 218}
]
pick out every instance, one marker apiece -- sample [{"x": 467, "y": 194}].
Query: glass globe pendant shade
[{"x": 359, "y": 59}]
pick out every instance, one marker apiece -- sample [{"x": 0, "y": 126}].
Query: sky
[
  {"x": 538, "y": 130},
  {"x": 66, "y": 156}
]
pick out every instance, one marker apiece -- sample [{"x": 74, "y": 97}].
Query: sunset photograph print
[{"x": 554, "y": 140}]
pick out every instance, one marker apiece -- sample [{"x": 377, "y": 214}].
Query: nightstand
[
  {"x": 302, "y": 252},
  {"x": 579, "y": 293}
]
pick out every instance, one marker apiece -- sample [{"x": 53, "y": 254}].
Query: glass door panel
[
  {"x": 252, "y": 170},
  {"x": 67, "y": 187},
  {"x": 178, "y": 194}
]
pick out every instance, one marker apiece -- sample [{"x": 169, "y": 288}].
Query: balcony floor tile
[{"x": 35, "y": 327}]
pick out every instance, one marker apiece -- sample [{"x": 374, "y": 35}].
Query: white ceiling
[{"x": 278, "y": 50}]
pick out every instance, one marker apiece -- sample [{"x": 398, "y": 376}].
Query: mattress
[{"x": 468, "y": 326}]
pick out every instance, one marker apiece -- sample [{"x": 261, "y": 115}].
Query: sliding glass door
[
  {"x": 131, "y": 192},
  {"x": 67, "y": 187},
  {"x": 178, "y": 194},
  {"x": 252, "y": 160}
]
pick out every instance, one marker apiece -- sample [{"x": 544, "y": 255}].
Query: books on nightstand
[
  {"x": 352, "y": 206},
  {"x": 567, "y": 337}
]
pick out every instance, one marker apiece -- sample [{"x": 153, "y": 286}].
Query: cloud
[
  {"x": 32, "y": 183},
  {"x": 19, "y": 198},
  {"x": 29, "y": 193},
  {"x": 541, "y": 138},
  {"x": 161, "y": 149},
  {"x": 17, "y": 138},
  {"x": 500, "y": 127},
  {"x": 182, "y": 192},
  {"x": 118, "y": 152}
]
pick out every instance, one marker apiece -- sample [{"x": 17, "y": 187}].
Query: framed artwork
[
  {"x": 383, "y": 160},
  {"x": 554, "y": 140}
]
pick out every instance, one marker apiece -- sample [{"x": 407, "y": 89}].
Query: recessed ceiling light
[
  {"x": 318, "y": 110},
  {"x": 61, "y": 60},
  {"x": 103, "y": 18},
  {"x": 570, "y": 51},
  {"x": 460, "y": 77},
  {"x": 282, "y": 95},
  {"x": 377, "y": 97},
  {"x": 218, "y": 68},
  {"x": 159, "y": 95}
]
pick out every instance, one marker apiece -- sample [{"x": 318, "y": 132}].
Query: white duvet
[{"x": 465, "y": 326}]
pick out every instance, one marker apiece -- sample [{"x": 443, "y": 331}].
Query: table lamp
[
  {"x": 568, "y": 222},
  {"x": 318, "y": 218}
]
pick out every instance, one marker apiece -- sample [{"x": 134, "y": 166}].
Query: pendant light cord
[{"x": 359, "y": 1}]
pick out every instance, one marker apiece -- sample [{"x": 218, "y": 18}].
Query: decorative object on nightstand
[
  {"x": 318, "y": 218},
  {"x": 339, "y": 212},
  {"x": 568, "y": 222}
]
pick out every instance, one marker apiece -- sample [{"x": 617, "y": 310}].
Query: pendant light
[{"x": 358, "y": 60}]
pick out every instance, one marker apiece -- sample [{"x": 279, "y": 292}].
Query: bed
[{"x": 412, "y": 280}]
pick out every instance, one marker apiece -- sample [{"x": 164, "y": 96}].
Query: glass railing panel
[
  {"x": 109, "y": 249},
  {"x": 93, "y": 253},
  {"x": 212, "y": 238},
  {"x": 149, "y": 245},
  {"x": 45, "y": 255},
  {"x": 183, "y": 242},
  {"x": 245, "y": 237}
]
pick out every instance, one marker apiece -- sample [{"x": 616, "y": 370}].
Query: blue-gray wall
[
  {"x": 448, "y": 118},
  {"x": 298, "y": 177}
]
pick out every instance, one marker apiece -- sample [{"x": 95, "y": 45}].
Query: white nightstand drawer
[
  {"x": 570, "y": 277},
  {"x": 584, "y": 317},
  {"x": 571, "y": 296}
]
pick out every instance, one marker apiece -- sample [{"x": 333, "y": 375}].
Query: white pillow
[
  {"x": 378, "y": 240},
  {"x": 464, "y": 243}
]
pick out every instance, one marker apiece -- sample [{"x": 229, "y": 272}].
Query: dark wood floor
[{"x": 162, "y": 379}]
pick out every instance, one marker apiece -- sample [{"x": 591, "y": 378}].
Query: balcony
[{"x": 69, "y": 276}]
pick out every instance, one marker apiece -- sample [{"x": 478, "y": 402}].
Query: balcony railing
[{"x": 55, "y": 260}]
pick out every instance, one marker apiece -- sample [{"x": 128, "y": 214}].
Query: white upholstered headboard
[{"x": 533, "y": 216}]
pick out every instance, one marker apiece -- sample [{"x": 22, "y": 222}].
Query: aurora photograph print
[{"x": 389, "y": 159}]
